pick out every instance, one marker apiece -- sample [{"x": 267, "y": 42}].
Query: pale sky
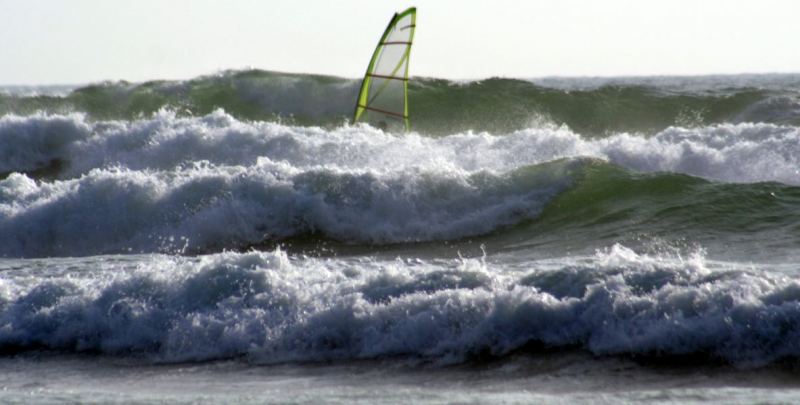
[{"x": 79, "y": 41}]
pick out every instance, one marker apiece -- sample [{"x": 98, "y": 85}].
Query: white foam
[
  {"x": 167, "y": 183},
  {"x": 33, "y": 142},
  {"x": 274, "y": 308},
  {"x": 742, "y": 152},
  {"x": 204, "y": 206}
]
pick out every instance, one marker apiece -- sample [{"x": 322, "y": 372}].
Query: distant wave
[
  {"x": 591, "y": 107},
  {"x": 30, "y": 91},
  {"x": 272, "y": 308}
]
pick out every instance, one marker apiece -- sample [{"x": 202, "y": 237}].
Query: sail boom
[
  {"x": 382, "y": 111},
  {"x": 387, "y": 77}
]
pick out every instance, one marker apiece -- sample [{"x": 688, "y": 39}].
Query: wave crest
[{"x": 273, "y": 308}]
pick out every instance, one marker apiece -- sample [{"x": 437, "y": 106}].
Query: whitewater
[{"x": 622, "y": 239}]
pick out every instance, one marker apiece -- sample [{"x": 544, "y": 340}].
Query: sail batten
[
  {"x": 387, "y": 77},
  {"x": 383, "y": 97}
]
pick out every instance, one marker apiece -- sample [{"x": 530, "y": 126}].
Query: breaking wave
[
  {"x": 198, "y": 184},
  {"x": 273, "y": 308},
  {"x": 590, "y": 107}
]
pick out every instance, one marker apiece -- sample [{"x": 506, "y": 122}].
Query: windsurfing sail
[{"x": 383, "y": 99}]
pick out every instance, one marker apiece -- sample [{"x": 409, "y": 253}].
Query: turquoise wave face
[
  {"x": 649, "y": 211},
  {"x": 439, "y": 107}
]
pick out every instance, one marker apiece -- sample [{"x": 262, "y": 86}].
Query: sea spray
[
  {"x": 200, "y": 184},
  {"x": 275, "y": 308},
  {"x": 726, "y": 152}
]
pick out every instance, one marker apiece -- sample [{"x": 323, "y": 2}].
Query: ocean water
[{"x": 232, "y": 238}]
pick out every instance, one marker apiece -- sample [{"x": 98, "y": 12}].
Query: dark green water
[{"x": 593, "y": 107}]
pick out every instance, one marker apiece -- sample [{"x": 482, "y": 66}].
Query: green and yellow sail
[{"x": 383, "y": 99}]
